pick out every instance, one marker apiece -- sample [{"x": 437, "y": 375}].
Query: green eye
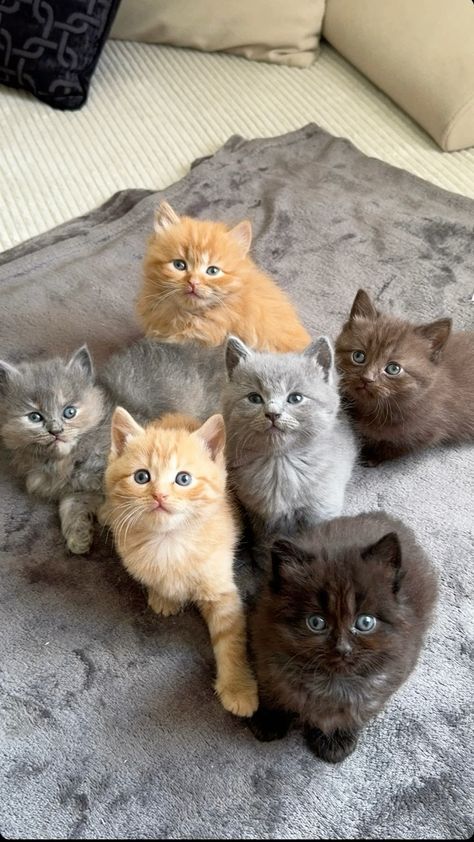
[
  {"x": 254, "y": 397},
  {"x": 141, "y": 476},
  {"x": 183, "y": 478},
  {"x": 212, "y": 270},
  {"x": 295, "y": 397},
  {"x": 69, "y": 412},
  {"x": 316, "y": 623},
  {"x": 180, "y": 265},
  {"x": 358, "y": 357},
  {"x": 35, "y": 417},
  {"x": 393, "y": 369},
  {"x": 365, "y": 623}
]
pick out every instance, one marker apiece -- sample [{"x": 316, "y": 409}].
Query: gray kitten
[
  {"x": 290, "y": 450},
  {"x": 56, "y": 417}
]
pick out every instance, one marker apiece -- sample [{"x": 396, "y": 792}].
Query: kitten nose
[
  {"x": 159, "y": 497},
  {"x": 272, "y": 416},
  {"x": 343, "y": 647},
  {"x": 193, "y": 283},
  {"x": 54, "y": 428},
  {"x": 367, "y": 378}
]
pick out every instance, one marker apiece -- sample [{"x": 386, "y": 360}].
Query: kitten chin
[
  {"x": 200, "y": 284},
  {"x": 407, "y": 386},
  {"x": 338, "y": 628}
]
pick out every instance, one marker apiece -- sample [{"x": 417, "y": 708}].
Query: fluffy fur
[
  {"x": 431, "y": 398},
  {"x": 336, "y": 677},
  {"x": 179, "y": 541},
  {"x": 63, "y": 459},
  {"x": 180, "y": 300},
  {"x": 289, "y": 458}
]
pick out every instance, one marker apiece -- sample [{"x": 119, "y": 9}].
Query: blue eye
[
  {"x": 141, "y": 476},
  {"x": 254, "y": 397},
  {"x": 35, "y": 417},
  {"x": 295, "y": 397},
  {"x": 358, "y": 357},
  {"x": 212, "y": 270},
  {"x": 393, "y": 369},
  {"x": 183, "y": 478},
  {"x": 365, "y": 623},
  {"x": 179, "y": 264},
  {"x": 69, "y": 412},
  {"x": 316, "y": 623}
]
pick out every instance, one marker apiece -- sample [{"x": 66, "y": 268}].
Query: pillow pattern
[{"x": 51, "y": 47}]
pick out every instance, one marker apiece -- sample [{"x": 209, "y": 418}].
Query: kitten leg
[
  {"x": 332, "y": 747},
  {"x": 270, "y": 724},
  {"x": 235, "y": 684},
  {"x": 160, "y": 605},
  {"x": 373, "y": 453},
  {"x": 76, "y": 514}
]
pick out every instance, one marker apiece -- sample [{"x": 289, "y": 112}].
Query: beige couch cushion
[
  {"x": 419, "y": 52},
  {"x": 280, "y": 31}
]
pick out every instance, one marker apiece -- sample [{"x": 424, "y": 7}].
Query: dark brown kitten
[
  {"x": 338, "y": 628},
  {"x": 407, "y": 386}
]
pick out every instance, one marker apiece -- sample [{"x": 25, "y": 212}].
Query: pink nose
[
  {"x": 193, "y": 283},
  {"x": 159, "y": 497}
]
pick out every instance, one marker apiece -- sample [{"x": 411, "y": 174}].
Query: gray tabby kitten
[
  {"x": 55, "y": 417},
  {"x": 290, "y": 450}
]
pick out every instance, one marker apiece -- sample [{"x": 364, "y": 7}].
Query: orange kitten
[
  {"x": 200, "y": 284},
  {"x": 176, "y": 533}
]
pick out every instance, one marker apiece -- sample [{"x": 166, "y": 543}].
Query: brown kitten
[
  {"x": 339, "y": 628},
  {"x": 407, "y": 386}
]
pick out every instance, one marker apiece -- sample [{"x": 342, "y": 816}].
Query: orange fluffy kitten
[
  {"x": 176, "y": 533},
  {"x": 200, "y": 284}
]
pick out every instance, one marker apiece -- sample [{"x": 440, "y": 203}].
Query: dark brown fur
[
  {"x": 430, "y": 402},
  {"x": 338, "y": 680}
]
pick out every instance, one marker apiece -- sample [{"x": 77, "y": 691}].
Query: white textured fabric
[{"x": 153, "y": 109}]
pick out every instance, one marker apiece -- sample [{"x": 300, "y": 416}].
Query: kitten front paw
[
  {"x": 240, "y": 697},
  {"x": 160, "y": 605},
  {"x": 79, "y": 542},
  {"x": 331, "y": 747},
  {"x": 267, "y": 724}
]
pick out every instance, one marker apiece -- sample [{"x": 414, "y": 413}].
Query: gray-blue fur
[{"x": 291, "y": 472}]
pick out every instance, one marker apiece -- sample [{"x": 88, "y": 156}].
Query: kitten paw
[
  {"x": 267, "y": 724},
  {"x": 160, "y": 605},
  {"x": 331, "y": 747},
  {"x": 240, "y": 698},
  {"x": 80, "y": 543}
]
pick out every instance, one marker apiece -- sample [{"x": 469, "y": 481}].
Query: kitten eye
[
  {"x": 365, "y": 623},
  {"x": 212, "y": 270},
  {"x": 69, "y": 412},
  {"x": 35, "y": 417},
  {"x": 179, "y": 264},
  {"x": 295, "y": 397},
  {"x": 393, "y": 369},
  {"x": 142, "y": 477},
  {"x": 358, "y": 357},
  {"x": 183, "y": 478},
  {"x": 316, "y": 623},
  {"x": 254, "y": 397}
]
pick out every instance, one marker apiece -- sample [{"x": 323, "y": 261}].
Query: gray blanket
[{"x": 109, "y": 726}]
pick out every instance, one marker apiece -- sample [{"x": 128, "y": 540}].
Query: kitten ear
[
  {"x": 437, "y": 333},
  {"x": 165, "y": 217},
  {"x": 322, "y": 352},
  {"x": 82, "y": 360},
  {"x": 235, "y": 351},
  {"x": 389, "y": 552},
  {"x": 8, "y": 373},
  {"x": 123, "y": 428},
  {"x": 362, "y": 307},
  {"x": 242, "y": 234},
  {"x": 212, "y": 433},
  {"x": 286, "y": 557}
]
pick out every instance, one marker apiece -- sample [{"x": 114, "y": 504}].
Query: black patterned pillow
[{"x": 51, "y": 47}]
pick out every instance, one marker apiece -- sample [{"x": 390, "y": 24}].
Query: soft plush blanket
[{"x": 109, "y": 725}]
